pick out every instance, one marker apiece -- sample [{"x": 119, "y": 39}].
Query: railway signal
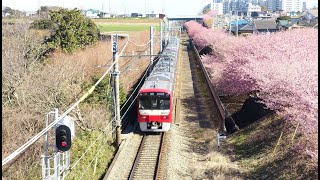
[{"x": 63, "y": 138}]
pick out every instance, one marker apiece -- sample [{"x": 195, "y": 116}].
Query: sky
[{"x": 170, "y": 7}]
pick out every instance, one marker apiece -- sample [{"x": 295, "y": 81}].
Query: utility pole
[
  {"x": 151, "y": 45},
  {"x": 160, "y": 36},
  {"x": 116, "y": 88}
]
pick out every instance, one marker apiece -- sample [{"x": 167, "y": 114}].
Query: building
[
  {"x": 104, "y": 15},
  {"x": 31, "y": 14},
  {"x": 304, "y": 6},
  {"x": 226, "y": 7},
  {"x": 258, "y": 26},
  {"x": 92, "y": 13},
  {"x": 291, "y": 5},
  {"x": 274, "y": 5},
  {"x": 136, "y": 15},
  {"x": 310, "y": 16},
  {"x": 251, "y": 8},
  {"x": 217, "y": 7}
]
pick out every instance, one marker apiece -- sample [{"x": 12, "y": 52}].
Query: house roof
[
  {"x": 265, "y": 24},
  {"x": 302, "y": 23},
  {"x": 93, "y": 11},
  {"x": 314, "y": 12},
  {"x": 247, "y": 27},
  {"x": 240, "y": 22}
]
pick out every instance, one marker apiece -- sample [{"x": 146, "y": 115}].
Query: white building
[
  {"x": 218, "y": 7},
  {"x": 292, "y": 5},
  {"x": 251, "y": 8},
  {"x": 274, "y": 5},
  {"x": 285, "y": 5},
  {"x": 92, "y": 13}
]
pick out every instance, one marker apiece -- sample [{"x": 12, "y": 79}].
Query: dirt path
[{"x": 192, "y": 144}]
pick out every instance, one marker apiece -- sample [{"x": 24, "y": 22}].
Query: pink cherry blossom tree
[{"x": 283, "y": 66}]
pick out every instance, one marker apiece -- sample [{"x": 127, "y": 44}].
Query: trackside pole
[
  {"x": 116, "y": 89},
  {"x": 151, "y": 44},
  {"x": 160, "y": 36}
]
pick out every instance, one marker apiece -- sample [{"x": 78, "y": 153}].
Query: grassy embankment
[
  {"x": 130, "y": 24},
  {"x": 255, "y": 149}
]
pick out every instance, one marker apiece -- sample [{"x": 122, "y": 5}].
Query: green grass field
[{"x": 125, "y": 27}]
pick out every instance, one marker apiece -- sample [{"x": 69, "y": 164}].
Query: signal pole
[
  {"x": 116, "y": 88},
  {"x": 160, "y": 36}
]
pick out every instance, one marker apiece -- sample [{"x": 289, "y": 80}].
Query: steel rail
[
  {"x": 157, "y": 167},
  {"x": 136, "y": 159},
  {"x": 158, "y": 173}
]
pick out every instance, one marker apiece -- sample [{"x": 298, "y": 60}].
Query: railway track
[
  {"x": 147, "y": 164},
  {"x": 145, "y": 156}
]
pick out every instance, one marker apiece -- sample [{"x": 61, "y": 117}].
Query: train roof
[{"x": 162, "y": 75}]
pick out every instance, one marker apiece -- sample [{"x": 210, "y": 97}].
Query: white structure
[
  {"x": 274, "y": 5},
  {"x": 285, "y": 5},
  {"x": 218, "y": 7},
  {"x": 251, "y": 8},
  {"x": 92, "y": 13},
  {"x": 292, "y": 5}
]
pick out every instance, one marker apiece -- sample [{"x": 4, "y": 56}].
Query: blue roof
[{"x": 240, "y": 22}]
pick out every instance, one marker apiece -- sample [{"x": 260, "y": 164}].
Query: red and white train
[{"x": 155, "y": 98}]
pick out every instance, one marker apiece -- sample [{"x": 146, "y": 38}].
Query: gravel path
[{"x": 122, "y": 167}]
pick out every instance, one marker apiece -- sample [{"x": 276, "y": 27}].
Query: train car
[{"x": 155, "y": 98}]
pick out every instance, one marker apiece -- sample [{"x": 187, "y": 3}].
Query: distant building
[
  {"x": 252, "y": 8},
  {"x": 31, "y": 13},
  {"x": 257, "y": 26},
  {"x": 263, "y": 26},
  {"x": 291, "y": 5},
  {"x": 218, "y": 7},
  {"x": 152, "y": 15},
  {"x": 260, "y": 15},
  {"x": 304, "y": 6},
  {"x": 136, "y": 15},
  {"x": 92, "y": 13},
  {"x": 310, "y": 16},
  {"x": 104, "y": 15}
]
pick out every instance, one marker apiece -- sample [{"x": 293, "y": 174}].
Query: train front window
[{"x": 154, "y": 101}]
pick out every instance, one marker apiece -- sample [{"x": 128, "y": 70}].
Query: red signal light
[{"x": 64, "y": 144}]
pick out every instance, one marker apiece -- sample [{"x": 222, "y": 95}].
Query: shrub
[
  {"x": 283, "y": 18},
  {"x": 42, "y": 24},
  {"x": 71, "y": 30},
  {"x": 99, "y": 95}
]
